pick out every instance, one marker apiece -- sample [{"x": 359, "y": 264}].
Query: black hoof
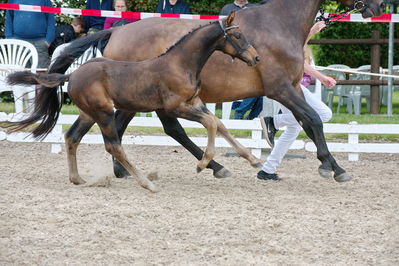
[
  {"x": 326, "y": 173},
  {"x": 344, "y": 177},
  {"x": 199, "y": 169},
  {"x": 120, "y": 171},
  {"x": 222, "y": 173}
]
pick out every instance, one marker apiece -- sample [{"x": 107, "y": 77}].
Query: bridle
[
  {"x": 237, "y": 48},
  {"x": 358, "y": 6}
]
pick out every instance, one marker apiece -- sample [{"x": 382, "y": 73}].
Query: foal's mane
[{"x": 187, "y": 35}]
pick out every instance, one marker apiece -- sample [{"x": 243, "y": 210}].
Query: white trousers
[{"x": 286, "y": 118}]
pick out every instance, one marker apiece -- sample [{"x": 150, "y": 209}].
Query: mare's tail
[
  {"x": 76, "y": 48},
  {"x": 47, "y": 103},
  {"x": 47, "y": 106}
]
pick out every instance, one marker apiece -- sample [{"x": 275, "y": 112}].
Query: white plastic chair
[
  {"x": 384, "y": 96},
  {"x": 363, "y": 91},
  {"x": 343, "y": 92},
  {"x": 16, "y": 55}
]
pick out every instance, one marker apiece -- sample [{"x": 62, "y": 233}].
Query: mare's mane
[{"x": 187, "y": 35}]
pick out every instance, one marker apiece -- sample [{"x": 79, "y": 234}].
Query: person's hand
[{"x": 328, "y": 81}]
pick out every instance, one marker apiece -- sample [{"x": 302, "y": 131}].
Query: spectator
[
  {"x": 254, "y": 104},
  {"x": 66, "y": 33},
  {"x": 236, "y": 5},
  {"x": 173, "y": 7},
  {"x": 35, "y": 27},
  {"x": 119, "y": 5},
  {"x": 94, "y": 24}
]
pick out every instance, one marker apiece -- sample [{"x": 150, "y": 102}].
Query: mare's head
[
  {"x": 235, "y": 44},
  {"x": 368, "y": 8}
]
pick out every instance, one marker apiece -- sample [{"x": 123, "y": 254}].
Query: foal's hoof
[
  {"x": 222, "y": 173},
  {"x": 199, "y": 169},
  {"x": 344, "y": 177},
  {"x": 77, "y": 180},
  {"x": 326, "y": 173}
]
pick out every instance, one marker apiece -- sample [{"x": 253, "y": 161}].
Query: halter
[
  {"x": 238, "y": 49},
  {"x": 358, "y": 5}
]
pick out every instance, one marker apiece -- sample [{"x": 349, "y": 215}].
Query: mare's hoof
[
  {"x": 257, "y": 165},
  {"x": 222, "y": 173},
  {"x": 325, "y": 173},
  {"x": 120, "y": 171},
  {"x": 344, "y": 177}
]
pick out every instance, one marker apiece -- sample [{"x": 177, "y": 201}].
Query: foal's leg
[
  {"x": 197, "y": 111},
  {"x": 173, "y": 128},
  {"x": 72, "y": 139},
  {"x": 313, "y": 126},
  {"x": 240, "y": 149},
  {"x": 112, "y": 142}
]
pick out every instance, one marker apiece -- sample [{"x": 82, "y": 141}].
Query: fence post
[
  {"x": 375, "y": 68},
  {"x": 353, "y": 139},
  {"x": 256, "y": 134},
  {"x": 56, "y": 148}
]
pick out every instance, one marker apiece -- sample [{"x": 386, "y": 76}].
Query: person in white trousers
[{"x": 271, "y": 125}]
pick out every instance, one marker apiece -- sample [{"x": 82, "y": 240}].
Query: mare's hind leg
[
  {"x": 72, "y": 139},
  {"x": 313, "y": 126},
  {"x": 173, "y": 128},
  {"x": 112, "y": 142}
]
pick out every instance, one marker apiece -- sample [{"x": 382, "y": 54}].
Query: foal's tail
[
  {"x": 47, "y": 106},
  {"x": 47, "y": 103}
]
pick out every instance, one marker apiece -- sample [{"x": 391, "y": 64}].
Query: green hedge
[{"x": 353, "y": 55}]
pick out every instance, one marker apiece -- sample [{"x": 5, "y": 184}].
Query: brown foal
[{"x": 169, "y": 83}]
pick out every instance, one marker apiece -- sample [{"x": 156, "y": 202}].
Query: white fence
[{"x": 255, "y": 142}]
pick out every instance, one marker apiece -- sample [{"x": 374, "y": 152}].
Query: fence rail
[{"x": 255, "y": 142}]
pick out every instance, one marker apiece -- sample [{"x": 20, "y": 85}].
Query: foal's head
[{"x": 235, "y": 44}]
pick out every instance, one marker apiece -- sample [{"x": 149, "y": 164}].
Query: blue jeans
[{"x": 255, "y": 104}]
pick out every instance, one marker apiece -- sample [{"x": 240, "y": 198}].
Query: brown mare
[
  {"x": 169, "y": 84},
  {"x": 277, "y": 29}
]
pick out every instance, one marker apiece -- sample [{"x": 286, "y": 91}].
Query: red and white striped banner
[{"x": 142, "y": 15}]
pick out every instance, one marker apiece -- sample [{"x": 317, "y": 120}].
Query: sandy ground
[{"x": 195, "y": 219}]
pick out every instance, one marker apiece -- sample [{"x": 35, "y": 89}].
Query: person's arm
[
  {"x": 325, "y": 80},
  {"x": 186, "y": 9}
]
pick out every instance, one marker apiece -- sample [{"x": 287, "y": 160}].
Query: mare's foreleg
[
  {"x": 313, "y": 126},
  {"x": 72, "y": 139},
  {"x": 173, "y": 128},
  {"x": 112, "y": 142}
]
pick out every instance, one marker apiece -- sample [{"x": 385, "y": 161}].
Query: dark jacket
[
  {"x": 233, "y": 7},
  {"x": 179, "y": 8},
  {"x": 63, "y": 34}
]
